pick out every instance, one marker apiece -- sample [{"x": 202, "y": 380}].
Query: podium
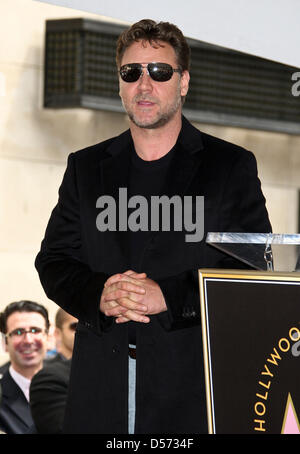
[{"x": 251, "y": 335}]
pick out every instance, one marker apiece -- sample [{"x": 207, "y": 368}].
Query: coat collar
[
  {"x": 187, "y": 157},
  {"x": 189, "y": 139}
]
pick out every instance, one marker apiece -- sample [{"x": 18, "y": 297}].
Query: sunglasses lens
[
  {"x": 131, "y": 72},
  {"x": 160, "y": 72}
]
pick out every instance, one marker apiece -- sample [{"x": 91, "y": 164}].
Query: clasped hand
[{"x": 131, "y": 296}]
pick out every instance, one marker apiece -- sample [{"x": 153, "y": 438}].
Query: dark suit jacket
[
  {"x": 15, "y": 415},
  {"x": 76, "y": 259},
  {"x": 48, "y": 396},
  {"x": 4, "y": 368}
]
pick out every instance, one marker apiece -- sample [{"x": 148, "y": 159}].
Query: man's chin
[
  {"x": 30, "y": 359},
  {"x": 150, "y": 124}
]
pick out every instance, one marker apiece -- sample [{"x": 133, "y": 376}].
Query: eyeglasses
[
  {"x": 160, "y": 72},
  {"x": 73, "y": 326},
  {"x": 20, "y": 332}
]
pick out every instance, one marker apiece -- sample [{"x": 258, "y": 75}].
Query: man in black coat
[{"x": 129, "y": 272}]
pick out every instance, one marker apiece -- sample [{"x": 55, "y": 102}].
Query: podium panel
[{"x": 251, "y": 346}]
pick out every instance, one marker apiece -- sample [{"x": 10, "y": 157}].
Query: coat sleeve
[
  {"x": 241, "y": 209},
  {"x": 48, "y": 396},
  {"x": 66, "y": 279}
]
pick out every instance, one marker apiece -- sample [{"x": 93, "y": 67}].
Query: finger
[
  {"x": 112, "y": 309},
  {"x": 136, "y": 287},
  {"x": 120, "y": 311},
  {"x": 105, "y": 306},
  {"x": 125, "y": 277},
  {"x": 119, "y": 295},
  {"x": 128, "y": 303},
  {"x": 125, "y": 288},
  {"x": 135, "y": 274},
  {"x": 133, "y": 316},
  {"x": 121, "y": 319},
  {"x": 113, "y": 279},
  {"x": 117, "y": 311}
]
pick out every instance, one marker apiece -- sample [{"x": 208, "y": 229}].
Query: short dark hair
[
  {"x": 22, "y": 306},
  {"x": 150, "y": 31}
]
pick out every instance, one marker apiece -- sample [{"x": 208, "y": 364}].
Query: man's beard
[{"x": 161, "y": 119}]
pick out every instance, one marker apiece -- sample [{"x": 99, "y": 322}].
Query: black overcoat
[{"x": 76, "y": 259}]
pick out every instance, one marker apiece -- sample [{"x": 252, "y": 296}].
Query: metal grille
[
  {"x": 80, "y": 68},
  {"x": 226, "y": 87},
  {"x": 100, "y": 53},
  {"x": 63, "y": 53},
  {"x": 233, "y": 83}
]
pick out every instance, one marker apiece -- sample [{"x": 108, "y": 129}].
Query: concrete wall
[{"x": 35, "y": 142}]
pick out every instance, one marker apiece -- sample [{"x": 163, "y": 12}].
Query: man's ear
[
  {"x": 57, "y": 333},
  {"x": 4, "y": 342},
  {"x": 184, "y": 83}
]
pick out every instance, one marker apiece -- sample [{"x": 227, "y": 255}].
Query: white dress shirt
[{"x": 22, "y": 382}]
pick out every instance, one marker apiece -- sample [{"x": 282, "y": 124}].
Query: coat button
[
  {"x": 115, "y": 349},
  {"x": 188, "y": 312}
]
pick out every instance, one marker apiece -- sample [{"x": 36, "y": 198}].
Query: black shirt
[{"x": 146, "y": 180}]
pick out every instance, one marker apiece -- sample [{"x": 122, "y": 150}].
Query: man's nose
[
  {"x": 145, "y": 81},
  {"x": 28, "y": 336}
]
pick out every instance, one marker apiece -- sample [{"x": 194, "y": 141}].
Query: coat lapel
[
  {"x": 185, "y": 163},
  {"x": 16, "y": 401},
  {"x": 114, "y": 174},
  {"x": 115, "y": 169},
  {"x": 20, "y": 408}
]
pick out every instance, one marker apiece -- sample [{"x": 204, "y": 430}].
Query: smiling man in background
[{"x": 25, "y": 325}]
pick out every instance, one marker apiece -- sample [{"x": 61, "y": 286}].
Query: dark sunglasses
[{"x": 160, "y": 72}]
